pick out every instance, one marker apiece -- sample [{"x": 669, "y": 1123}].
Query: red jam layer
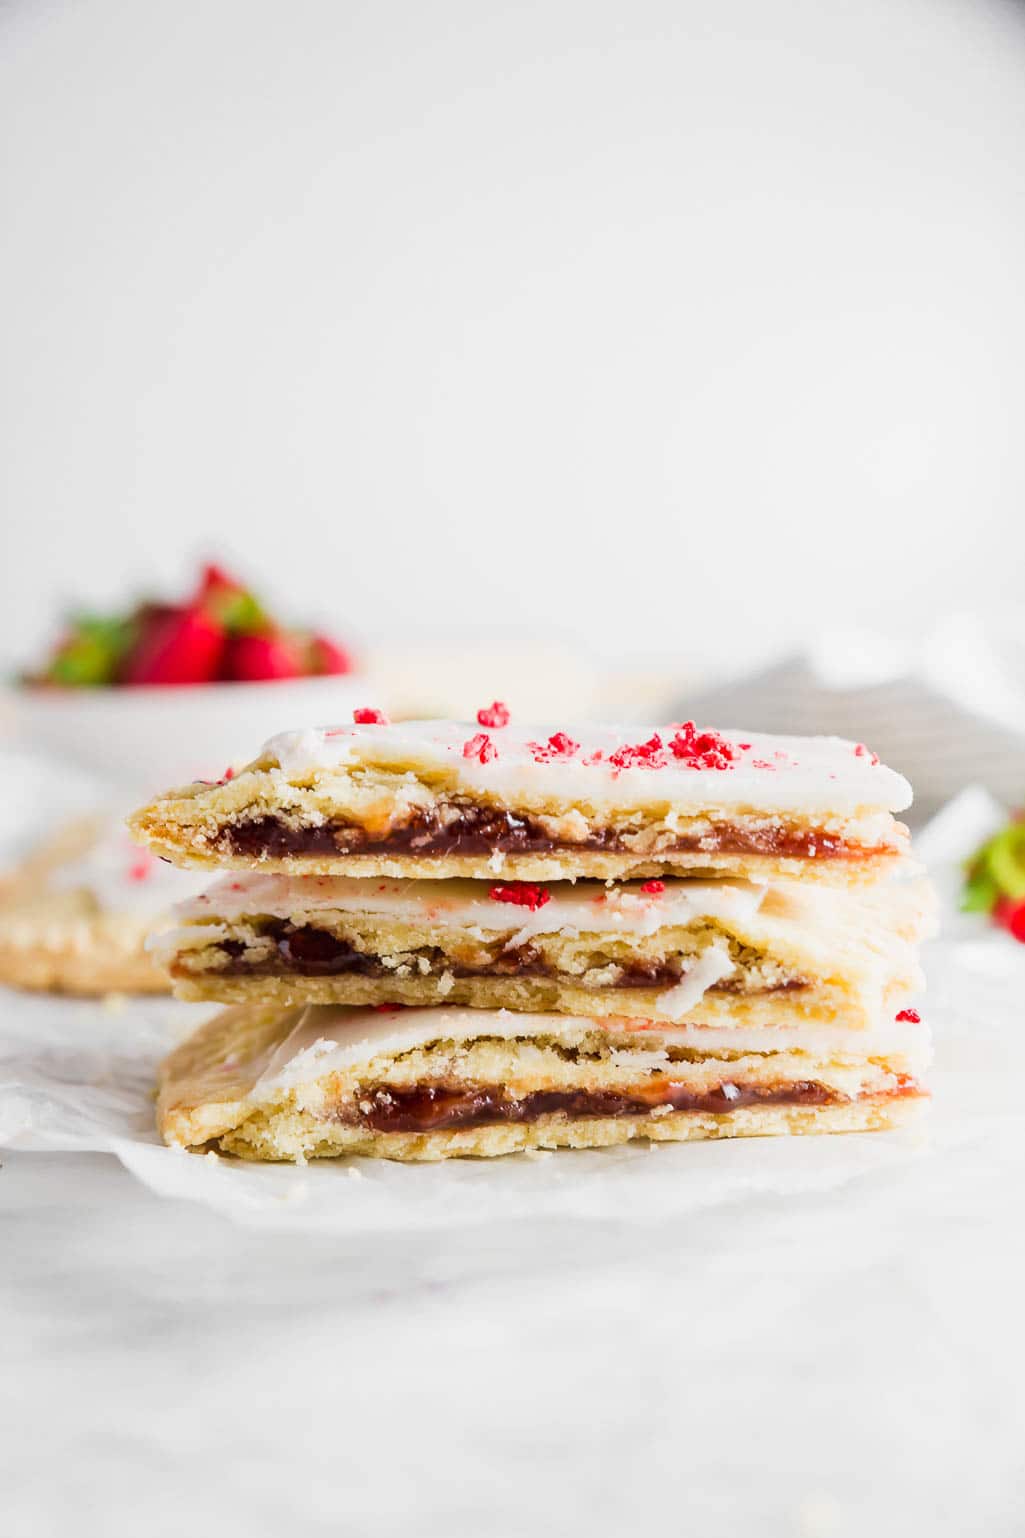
[
  {"x": 483, "y": 831},
  {"x": 438, "y": 1107}
]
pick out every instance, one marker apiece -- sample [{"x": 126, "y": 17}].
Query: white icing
[
  {"x": 710, "y": 968},
  {"x": 584, "y": 906},
  {"x": 124, "y": 878},
  {"x": 771, "y": 774},
  {"x": 322, "y": 1039}
]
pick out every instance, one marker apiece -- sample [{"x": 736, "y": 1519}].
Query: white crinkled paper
[
  {"x": 79, "y": 1075},
  {"x": 76, "y": 1075}
]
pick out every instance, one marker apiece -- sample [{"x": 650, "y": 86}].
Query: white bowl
[{"x": 149, "y": 739}]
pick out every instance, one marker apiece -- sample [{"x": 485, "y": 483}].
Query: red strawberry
[
  {"x": 177, "y": 646},
  {"x": 326, "y": 656},
  {"x": 215, "y": 579},
  {"x": 252, "y": 658},
  {"x": 1011, "y": 916},
  {"x": 228, "y": 602}
]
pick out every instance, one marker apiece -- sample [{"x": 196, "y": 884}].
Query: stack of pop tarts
[{"x": 437, "y": 939}]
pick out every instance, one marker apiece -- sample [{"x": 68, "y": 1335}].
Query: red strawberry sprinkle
[
  {"x": 640, "y": 755},
  {"x": 496, "y": 714},
  {"x": 480, "y": 747},
  {"x": 562, "y": 745},
  {"x": 860, "y": 751},
  {"x": 523, "y": 893},
  {"x": 366, "y": 717},
  {"x": 654, "y": 888},
  {"x": 702, "y": 750},
  {"x": 559, "y": 745},
  {"x": 910, "y": 1014},
  {"x": 140, "y": 869}
]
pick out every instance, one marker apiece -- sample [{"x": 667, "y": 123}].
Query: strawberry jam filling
[
  {"x": 475, "y": 830},
  {"x": 440, "y": 1107}
]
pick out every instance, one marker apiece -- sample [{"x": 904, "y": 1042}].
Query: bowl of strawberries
[{"x": 170, "y": 692}]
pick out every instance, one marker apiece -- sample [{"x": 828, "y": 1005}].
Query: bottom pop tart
[{"x": 320, "y": 1081}]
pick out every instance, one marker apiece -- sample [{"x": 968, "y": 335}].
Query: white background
[{"x": 677, "y": 326}]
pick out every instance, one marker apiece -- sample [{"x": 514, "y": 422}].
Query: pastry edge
[
  {"x": 87, "y": 960},
  {"x": 862, "y": 870},
  {"x": 524, "y": 996}
]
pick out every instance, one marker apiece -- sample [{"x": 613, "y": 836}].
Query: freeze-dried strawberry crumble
[
  {"x": 481, "y": 748},
  {"x": 559, "y": 745},
  {"x": 524, "y": 894},
  {"x": 702, "y": 750}
]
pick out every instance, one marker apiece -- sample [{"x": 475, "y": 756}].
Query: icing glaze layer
[
  {"x": 809, "y": 774},
  {"x": 587, "y": 906},
  {"x": 317, "y": 1040}
]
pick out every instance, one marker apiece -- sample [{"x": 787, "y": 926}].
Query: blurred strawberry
[
  {"x": 89, "y": 653},
  {"x": 214, "y": 578},
  {"x": 252, "y": 658},
  {"x": 326, "y": 656},
  {"x": 176, "y": 646},
  {"x": 1010, "y": 915},
  {"x": 228, "y": 602}
]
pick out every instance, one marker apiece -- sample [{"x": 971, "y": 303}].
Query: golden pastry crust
[
  {"x": 58, "y": 941},
  {"x": 84, "y": 959},
  {"x": 823, "y": 1004},
  {"x": 290, "y": 1137}
]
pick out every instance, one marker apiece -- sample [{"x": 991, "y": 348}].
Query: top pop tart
[{"x": 442, "y": 798}]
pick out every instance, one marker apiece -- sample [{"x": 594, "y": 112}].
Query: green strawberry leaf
[
  {"x": 238, "y": 611},
  {"x": 1005, "y": 861},
  {"x": 980, "y": 893},
  {"x": 90, "y": 653}
]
